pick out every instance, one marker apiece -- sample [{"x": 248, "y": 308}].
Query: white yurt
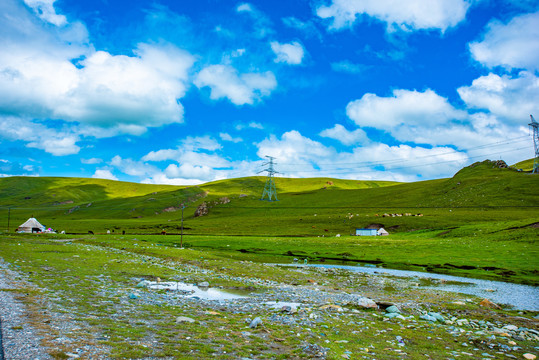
[{"x": 31, "y": 226}]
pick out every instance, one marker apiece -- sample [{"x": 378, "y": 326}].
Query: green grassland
[{"x": 481, "y": 222}]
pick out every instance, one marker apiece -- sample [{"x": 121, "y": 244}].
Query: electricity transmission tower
[
  {"x": 269, "y": 188},
  {"x": 534, "y": 126}
]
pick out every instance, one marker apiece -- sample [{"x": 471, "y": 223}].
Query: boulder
[
  {"x": 182, "y": 319},
  {"x": 202, "y": 210},
  {"x": 489, "y": 304}
]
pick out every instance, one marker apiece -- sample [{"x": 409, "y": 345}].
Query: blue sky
[{"x": 186, "y": 92}]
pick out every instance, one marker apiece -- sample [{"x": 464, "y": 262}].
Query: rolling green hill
[{"x": 306, "y": 207}]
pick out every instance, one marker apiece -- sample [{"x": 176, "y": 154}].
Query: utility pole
[
  {"x": 534, "y": 126},
  {"x": 181, "y": 231},
  {"x": 269, "y": 188}
]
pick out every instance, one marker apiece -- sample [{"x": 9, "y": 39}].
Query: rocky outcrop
[{"x": 202, "y": 209}]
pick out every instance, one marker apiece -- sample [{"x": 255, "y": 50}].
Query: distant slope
[
  {"x": 315, "y": 206},
  {"x": 255, "y": 185},
  {"x": 526, "y": 165}
]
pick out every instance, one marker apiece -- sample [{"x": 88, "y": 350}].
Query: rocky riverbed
[{"x": 74, "y": 309}]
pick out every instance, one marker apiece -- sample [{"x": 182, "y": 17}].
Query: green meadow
[{"x": 482, "y": 222}]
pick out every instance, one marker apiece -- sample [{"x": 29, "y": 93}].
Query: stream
[{"x": 520, "y": 297}]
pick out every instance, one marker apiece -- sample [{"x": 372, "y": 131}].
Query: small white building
[{"x": 366, "y": 232}]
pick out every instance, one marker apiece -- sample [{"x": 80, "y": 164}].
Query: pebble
[
  {"x": 392, "y": 309},
  {"x": 428, "y": 317},
  {"x": 529, "y": 356},
  {"x": 181, "y": 319},
  {"x": 256, "y": 321}
]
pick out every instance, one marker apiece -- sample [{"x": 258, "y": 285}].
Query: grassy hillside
[
  {"x": 479, "y": 193},
  {"x": 482, "y": 222},
  {"x": 526, "y": 165}
]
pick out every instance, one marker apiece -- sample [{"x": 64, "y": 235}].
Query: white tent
[
  {"x": 30, "y": 226},
  {"x": 382, "y": 232}
]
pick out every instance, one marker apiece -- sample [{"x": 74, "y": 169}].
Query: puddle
[
  {"x": 281, "y": 304},
  {"x": 193, "y": 291},
  {"x": 520, "y": 297}
]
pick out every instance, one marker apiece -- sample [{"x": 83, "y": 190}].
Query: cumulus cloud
[
  {"x": 104, "y": 174},
  {"x": 57, "y": 146},
  {"x": 141, "y": 90},
  {"x": 511, "y": 45},
  {"x": 407, "y": 15},
  {"x": 132, "y": 167},
  {"x": 507, "y": 97},
  {"x": 38, "y": 136},
  {"x": 291, "y": 53},
  {"x": 224, "y": 81},
  {"x": 293, "y": 148},
  {"x": 91, "y": 161},
  {"x": 228, "y": 137},
  {"x": 56, "y": 74},
  {"x": 405, "y": 107},
  {"x": 299, "y": 156},
  {"x": 346, "y": 137}
]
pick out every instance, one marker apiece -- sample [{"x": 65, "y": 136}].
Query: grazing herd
[{"x": 397, "y": 215}]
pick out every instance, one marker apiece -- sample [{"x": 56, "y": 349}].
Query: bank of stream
[{"x": 519, "y": 297}]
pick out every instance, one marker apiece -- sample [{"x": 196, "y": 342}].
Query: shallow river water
[{"x": 521, "y": 297}]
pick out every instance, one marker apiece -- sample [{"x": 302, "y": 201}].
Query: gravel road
[{"x": 19, "y": 339}]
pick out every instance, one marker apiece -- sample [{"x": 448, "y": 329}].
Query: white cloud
[
  {"x": 58, "y": 147},
  {"x": 299, "y": 156},
  {"x": 45, "y": 10},
  {"x": 188, "y": 171},
  {"x": 55, "y": 74},
  {"x": 405, "y": 107},
  {"x": 228, "y": 137},
  {"x": 200, "y": 143},
  {"x": 163, "y": 179},
  {"x": 291, "y": 53},
  {"x": 511, "y": 45},
  {"x": 407, "y": 15},
  {"x": 293, "y": 148},
  {"x": 262, "y": 24},
  {"x": 132, "y": 167},
  {"x": 91, "y": 161},
  {"x": 135, "y": 91},
  {"x": 340, "y": 133},
  {"x": 510, "y": 98},
  {"x": 307, "y": 27},
  {"x": 38, "y": 136},
  {"x": 9, "y": 168},
  {"x": 251, "y": 125},
  {"x": 104, "y": 174},
  {"x": 244, "y": 7},
  {"x": 348, "y": 67},
  {"x": 225, "y": 82}
]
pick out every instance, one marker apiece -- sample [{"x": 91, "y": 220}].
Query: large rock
[
  {"x": 202, "y": 210},
  {"x": 489, "y": 304},
  {"x": 182, "y": 319},
  {"x": 366, "y": 303}
]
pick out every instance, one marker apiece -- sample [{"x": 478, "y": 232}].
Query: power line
[{"x": 354, "y": 169}]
